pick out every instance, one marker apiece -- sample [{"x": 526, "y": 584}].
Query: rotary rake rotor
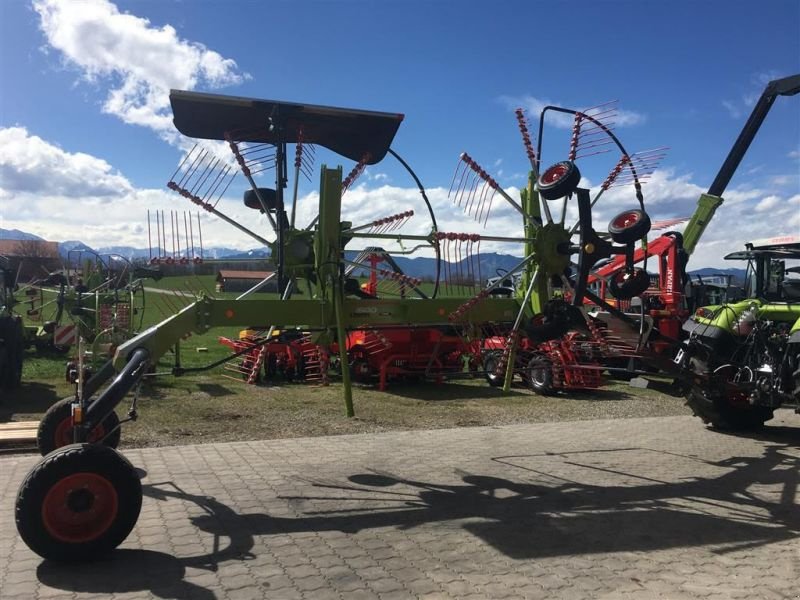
[
  {"x": 261, "y": 149},
  {"x": 560, "y": 247}
]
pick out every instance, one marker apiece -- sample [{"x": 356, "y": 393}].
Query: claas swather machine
[{"x": 82, "y": 500}]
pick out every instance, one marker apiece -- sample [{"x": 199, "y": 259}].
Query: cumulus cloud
[
  {"x": 30, "y": 165},
  {"x": 767, "y": 203},
  {"x": 62, "y": 195},
  {"x": 534, "y": 106},
  {"x": 140, "y": 62},
  {"x": 72, "y": 195}
]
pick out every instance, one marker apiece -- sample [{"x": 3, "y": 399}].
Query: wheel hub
[
  {"x": 79, "y": 501},
  {"x": 551, "y": 241}
]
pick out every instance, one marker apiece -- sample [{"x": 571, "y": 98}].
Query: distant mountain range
[
  {"x": 421, "y": 267},
  {"x": 16, "y": 234}
]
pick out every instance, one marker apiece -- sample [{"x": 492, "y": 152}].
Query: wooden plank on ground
[
  {"x": 15, "y": 425},
  {"x": 8, "y": 437},
  {"x": 18, "y": 431}
]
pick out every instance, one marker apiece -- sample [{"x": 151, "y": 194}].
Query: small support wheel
[
  {"x": 490, "y": 363},
  {"x": 559, "y": 180},
  {"x": 78, "y": 503},
  {"x": 55, "y": 428},
  {"x": 360, "y": 370},
  {"x": 626, "y": 285},
  {"x": 540, "y": 375},
  {"x": 629, "y": 226}
]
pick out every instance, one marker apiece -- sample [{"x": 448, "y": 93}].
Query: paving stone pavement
[{"x": 627, "y": 509}]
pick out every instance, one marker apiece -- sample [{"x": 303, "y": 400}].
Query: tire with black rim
[
  {"x": 540, "y": 375},
  {"x": 78, "y": 503},
  {"x": 559, "y": 180},
  {"x": 55, "y": 428},
  {"x": 629, "y": 226},
  {"x": 624, "y": 286},
  {"x": 490, "y": 364}
]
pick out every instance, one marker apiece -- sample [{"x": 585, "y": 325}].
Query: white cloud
[
  {"x": 534, "y": 106},
  {"x": 140, "y": 62},
  {"x": 733, "y": 110},
  {"x": 739, "y": 108},
  {"x": 61, "y": 195},
  {"x": 30, "y": 165},
  {"x": 794, "y": 154},
  {"x": 71, "y": 195},
  {"x": 767, "y": 203},
  {"x": 785, "y": 180}
]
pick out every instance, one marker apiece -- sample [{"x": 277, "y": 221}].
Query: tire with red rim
[
  {"x": 624, "y": 286},
  {"x": 629, "y": 226},
  {"x": 559, "y": 180},
  {"x": 55, "y": 428},
  {"x": 78, "y": 503}
]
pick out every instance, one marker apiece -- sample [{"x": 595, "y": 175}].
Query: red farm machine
[{"x": 668, "y": 297}]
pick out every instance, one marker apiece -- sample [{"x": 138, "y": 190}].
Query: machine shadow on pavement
[{"x": 565, "y": 514}]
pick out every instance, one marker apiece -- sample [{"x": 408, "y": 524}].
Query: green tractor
[{"x": 742, "y": 359}]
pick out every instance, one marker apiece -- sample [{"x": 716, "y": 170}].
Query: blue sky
[{"x": 87, "y": 146}]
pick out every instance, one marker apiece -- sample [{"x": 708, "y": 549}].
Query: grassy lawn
[{"x": 209, "y": 406}]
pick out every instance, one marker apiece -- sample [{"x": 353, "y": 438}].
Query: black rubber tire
[
  {"x": 624, "y": 286},
  {"x": 39, "y": 494},
  {"x": 267, "y": 194},
  {"x": 559, "y": 180},
  {"x": 490, "y": 362},
  {"x": 12, "y": 354},
  {"x": 718, "y": 413},
  {"x": 540, "y": 375},
  {"x": 17, "y": 355},
  {"x": 52, "y": 435},
  {"x": 360, "y": 370},
  {"x": 5, "y": 365},
  {"x": 629, "y": 226}
]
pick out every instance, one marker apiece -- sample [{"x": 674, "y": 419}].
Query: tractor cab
[{"x": 773, "y": 269}]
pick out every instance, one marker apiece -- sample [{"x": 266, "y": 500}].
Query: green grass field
[{"x": 211, "y": 406}]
